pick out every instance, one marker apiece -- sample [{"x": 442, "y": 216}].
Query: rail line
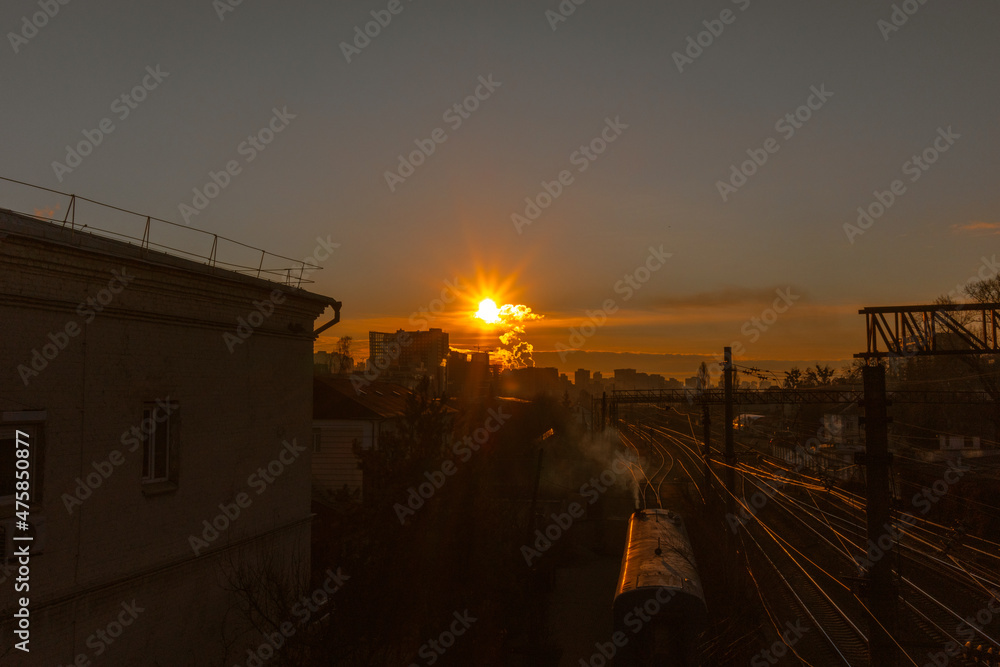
[{"x": 804, "y": 513}]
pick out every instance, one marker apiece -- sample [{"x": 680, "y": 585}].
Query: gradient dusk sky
[{"x": 889, "y": 95}]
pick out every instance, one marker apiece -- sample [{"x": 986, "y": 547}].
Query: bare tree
[
  {"x": 852, "y": 372},
  {"x": 824, "y": 374},
  {"x": 265, "y": 579},
  {"x": 984, "y": 366},
  {"x": 984, "y": 291},
  {"x": 704, "y": 378},
  {"x": 342, "y": 360}
]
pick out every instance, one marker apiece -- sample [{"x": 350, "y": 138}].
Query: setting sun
[{"x": 488, "y": 311}]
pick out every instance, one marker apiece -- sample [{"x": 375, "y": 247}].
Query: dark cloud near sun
[{"x": 979, "y": 227}]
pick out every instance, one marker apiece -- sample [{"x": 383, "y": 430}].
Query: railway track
[
  {"x": 827, "y": 526},
  {"x": 929, "y": 601},
  {"x": 923, "y": 626},
  {"x": 931, "y": 591},
  {"x": 832, "y": 637},
  {"x": 806, "y": 596},
  {"x": 833, "y": 614},
  {"x": 652, "y": 488}
]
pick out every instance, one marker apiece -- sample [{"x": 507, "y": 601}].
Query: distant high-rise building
[
  {"x": 469, "y": 376},
  {"x": 625, "y": 378},
  {"x": 408, "y": 349},
  {"x": 410, "y": 353},
  {"x": 581, "y": 378}
]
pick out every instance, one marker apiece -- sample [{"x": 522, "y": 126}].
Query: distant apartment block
[
  {"x": 410, "y": 355},
  {"x": 531, "y": 382},
  {"x": 332, "y": 363},
  {"x": 471, "y": 375},
  {"x": 629, "y": 378}
]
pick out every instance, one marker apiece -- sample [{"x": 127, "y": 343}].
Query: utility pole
[
  {"x": 882, "y": 589},
  {"x": 650, "y": 449},
  {"x": 736, "y": 573},
  {"x": 727, "y": 383},
  {"x": 534, "y": 498},
  {"x": 706, "y": 424}
]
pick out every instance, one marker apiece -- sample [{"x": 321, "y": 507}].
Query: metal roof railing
[{"x": 293, "y": 276}]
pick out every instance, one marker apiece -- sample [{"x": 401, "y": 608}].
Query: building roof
[
  {"x": 13, "y": 223},
  {"x": 337, "y": 398}
]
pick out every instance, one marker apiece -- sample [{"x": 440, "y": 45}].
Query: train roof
[{"x": 658, "y": 554}]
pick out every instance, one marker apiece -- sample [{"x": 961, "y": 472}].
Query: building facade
[
  {"x": 167, "y": 405},
  {"x": 407, "y": 356},
  {"x": 345, "y": 418}
]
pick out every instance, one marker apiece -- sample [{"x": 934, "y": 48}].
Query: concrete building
[
  {"x": 530, "y": 382},
  {"x": 844, "y": 428},
  {"x": 167, "y": 407},
  {"x": 625, "y": 378},
  {"x": 471, "y": 376},
  {"x": 407, "y": 356},
  {"x": 332, "y": 363},
  {"x": 629, "y": 378}
]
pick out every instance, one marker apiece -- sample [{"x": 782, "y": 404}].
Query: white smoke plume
[{"x": 515, "y": 352}]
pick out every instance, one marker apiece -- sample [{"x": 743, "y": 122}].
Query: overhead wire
[{"x": 762, "y": 475}]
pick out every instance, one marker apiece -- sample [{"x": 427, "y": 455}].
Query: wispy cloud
[
  {"x": 726, "y": 296},
  {"x": 977, "y": 228}
]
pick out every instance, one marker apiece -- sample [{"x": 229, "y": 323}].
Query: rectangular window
[
  {"x": 21, "y": 431},
  {"x": 159, "y": 452},
  {"x": 317, "y": 439}
]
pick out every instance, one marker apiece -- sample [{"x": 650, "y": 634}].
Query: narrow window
[{"x": 159, "y": 455}]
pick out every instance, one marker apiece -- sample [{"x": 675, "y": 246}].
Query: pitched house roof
[{"x": 337, "y": 398}]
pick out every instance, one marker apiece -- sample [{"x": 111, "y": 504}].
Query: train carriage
[{"x": 659, "y": 607}]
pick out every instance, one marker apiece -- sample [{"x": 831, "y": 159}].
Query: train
[{"x": 659, "y": 607}]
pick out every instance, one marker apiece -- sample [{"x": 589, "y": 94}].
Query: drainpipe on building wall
[{"x": 336, "y": 318}]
